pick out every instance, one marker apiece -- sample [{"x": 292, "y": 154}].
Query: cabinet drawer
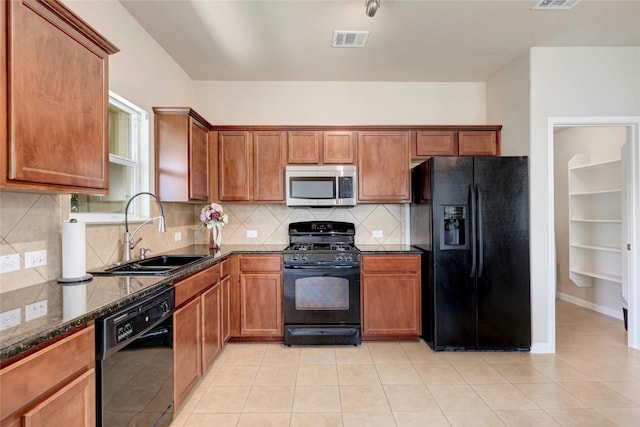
[
  {"x": 39, "y": 373},
  {"x": 196, "y": 284},
  {"x": 261, "y": 263},
  {"x": 390, "y": 263}
]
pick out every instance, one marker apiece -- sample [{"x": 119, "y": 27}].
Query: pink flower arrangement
[{"x": 213, "y": 215}]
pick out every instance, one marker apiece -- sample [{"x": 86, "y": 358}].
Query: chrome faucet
[{"x": 129, "y": 244}]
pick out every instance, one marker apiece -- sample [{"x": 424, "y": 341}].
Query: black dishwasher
[{"x": 134, "y": 363}]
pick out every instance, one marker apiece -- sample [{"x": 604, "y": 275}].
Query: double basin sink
[{"x": 153, "y": 266}]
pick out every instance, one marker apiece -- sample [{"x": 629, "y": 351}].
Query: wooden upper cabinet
[
  {"x": 182, "y": 155},
  {"x": 251, "y": 165},
  {"x": 304, "y": 147},
  {"x": 478, "y": 143},
  {"x": 321, "y": 147},
  {"x": 339, "y": 147},
  {"x": 434, "y": 143},
  {"x": 269, "y": 150},
  {"x": 234, "y": 165},
  {"x": 383, "y": 166},
  {"x": 54, "y": 100},
  {"x": 456, "y": 141}
]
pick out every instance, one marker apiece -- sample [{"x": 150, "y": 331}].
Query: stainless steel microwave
[{"x": 321, "y": 186}]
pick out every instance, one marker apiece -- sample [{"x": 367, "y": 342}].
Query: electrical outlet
[
  {"x": 377, "y": 233},
  {"x": 35, "y": 310},
  {"x": 177, "y": 236},
  {"x": 9, "y": 263},
  {"x": 9, "y": 318},
  {"x": 35, "y": 259},
  {"x": 252, "y": 234}
]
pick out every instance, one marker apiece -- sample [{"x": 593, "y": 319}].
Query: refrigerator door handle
[
  {"x": 472, "y": 196},
  {"x": 479, "y": 231}
]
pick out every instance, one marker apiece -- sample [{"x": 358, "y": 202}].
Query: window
[{"x": 128, "y": 167}]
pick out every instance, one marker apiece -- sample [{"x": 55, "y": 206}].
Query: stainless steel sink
[{"x": 157, "y": 265}]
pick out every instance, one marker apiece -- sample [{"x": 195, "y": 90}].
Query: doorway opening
[{"x": 592, "y": 267}]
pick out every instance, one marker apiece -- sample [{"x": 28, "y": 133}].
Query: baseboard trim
[{"x": 616, "y": 314}]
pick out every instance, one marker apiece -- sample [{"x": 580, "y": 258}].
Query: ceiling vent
[
  {"x": 555, "y": 4},
  {"x": 350, "y": 38}
]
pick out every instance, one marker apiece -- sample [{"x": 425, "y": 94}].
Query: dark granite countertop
[
  {"x": 388, "y": 249},
  {"x": 69, "y": 306}
]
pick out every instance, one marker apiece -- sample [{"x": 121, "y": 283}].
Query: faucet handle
[
  {"x": 143, "y": 252},
  {"x": 133, "y": 244}
]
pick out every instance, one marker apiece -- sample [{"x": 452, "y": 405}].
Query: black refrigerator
[{"x": 470, "y": 216}]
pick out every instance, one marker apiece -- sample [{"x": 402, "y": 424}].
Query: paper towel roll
[{"x": 74, "y": 258}]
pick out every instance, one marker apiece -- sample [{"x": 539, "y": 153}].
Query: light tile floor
[{"x": 593, "y": 379}]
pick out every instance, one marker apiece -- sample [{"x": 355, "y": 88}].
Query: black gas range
[
  {"x": 322, "y": 243},
  {"x": 322, "y": 284}
]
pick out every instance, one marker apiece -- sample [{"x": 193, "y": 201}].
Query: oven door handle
[{"x": 320, "y": 267}]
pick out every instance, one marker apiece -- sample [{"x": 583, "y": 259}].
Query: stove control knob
[
  {"x": 304, "y": 257},
  {"x": 164, "y": 307},
  {"x": 348, "y": 257},
  {"x": 339, "y": 257}
]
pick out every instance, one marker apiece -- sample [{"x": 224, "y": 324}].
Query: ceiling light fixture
[{"x": 371, "y": 7}]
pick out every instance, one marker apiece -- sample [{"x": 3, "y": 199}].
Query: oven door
[{"x": 321, "y": 295}]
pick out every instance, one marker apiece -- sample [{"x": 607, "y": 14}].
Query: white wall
[
  {"x": 556, "y": 82},
  {"x": 568, "y": 82},
  {"x": 339, "y": 103},
  {"x": 602, "y": 144},
  {"x": 508, "y": 104},
  {"x": 142, "y": 71}
]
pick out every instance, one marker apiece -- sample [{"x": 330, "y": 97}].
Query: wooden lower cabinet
[
  {"x": 197, "y": 326},
  {"x": 391, "y": 296},
  {"x": 54, "y": 386},
  {"x": 261, "y": 296}
]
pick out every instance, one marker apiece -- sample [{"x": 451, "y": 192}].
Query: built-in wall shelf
[{"x": 595, "y": 221}]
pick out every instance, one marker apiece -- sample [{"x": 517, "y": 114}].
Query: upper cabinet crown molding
[{"x": 54, "y": 136}]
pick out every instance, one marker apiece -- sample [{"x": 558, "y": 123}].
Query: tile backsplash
[
  {"x": 33, "y": 221},
  {"x": 271, "y": 222}
]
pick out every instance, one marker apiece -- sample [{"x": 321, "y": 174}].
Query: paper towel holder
[
  {"x": 75, "y": 280},
  {"x": 79, "y": 279}
]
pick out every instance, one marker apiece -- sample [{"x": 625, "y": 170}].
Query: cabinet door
[
  {"x": 339, "y": 147},
  {"x": 396, "y": 275},
  {"x": 478, "y": 143},
  {"x": 399, "y": 315},
  {"x": 57, "y": 84},
  {"x": 198, "y": 161},
  {"x": 434, "y": 143},
  {"x": 304, "y": 147},
  {"x": 187, "y": 350},
  {"x": 383, "y": 166},
  {"x": 234, "y": 171},
  {"x": 269, "y": 161},
  {"x": 73, "y": 405},
  {"x": 261, "y": 297},
  {"x": 211, "y": 325},
  {"x": 226, "y": 308}
]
